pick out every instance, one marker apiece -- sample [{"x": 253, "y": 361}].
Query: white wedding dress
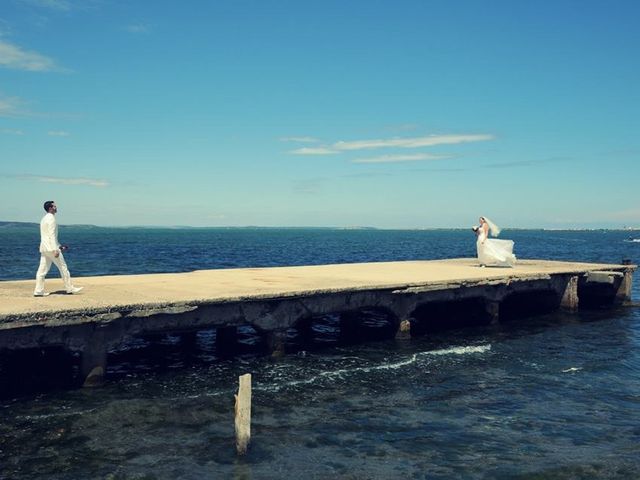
[{"x": 494, "y": 252}]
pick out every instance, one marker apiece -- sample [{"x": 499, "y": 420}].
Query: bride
[{"x": 491, "y": 251}]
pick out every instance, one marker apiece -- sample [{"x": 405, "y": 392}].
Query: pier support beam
[
  {"x": 189, "y": 340},
  {"x": 493, "y": 310},
  {"x": 276, "y": 341},
  {"x": 226, "y": 341},
  {"x": 404, "y": 330},
  {"x": 94, "y": 361},
  {"x": 623, "y": 293},
  {"x": 349, "y": 328},
  {"x": 569, "y": 299}
]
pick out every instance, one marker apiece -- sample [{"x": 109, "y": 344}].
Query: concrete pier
[{"x": 419, "y": 295}]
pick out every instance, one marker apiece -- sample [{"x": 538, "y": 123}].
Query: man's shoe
[
  {"x": 43, "y": 294},
  {"x": 74, "y": 290}
]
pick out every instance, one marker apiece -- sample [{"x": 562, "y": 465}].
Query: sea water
[{"x": 554, "y": 396}]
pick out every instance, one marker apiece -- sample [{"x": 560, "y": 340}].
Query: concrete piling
[
  {"x": 492, "y": 308},
  {"x": 404, "y": 330},
  {"x": 94, "y": 361},
  {"x": 623, "y": 293},
  {"x": 276, "y": 342},
  {"x": 570, "y": 298},
  {"x": 226, "y": 340}
]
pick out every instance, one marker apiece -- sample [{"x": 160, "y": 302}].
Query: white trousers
[{"x": 46, "y": 259}]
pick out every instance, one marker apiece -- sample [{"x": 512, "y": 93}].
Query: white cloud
[
  {"x": 313, "y": 151},
  {"x": 62, "y": 5},
  {"x": 406, "y": 127},
  {"x": 299, "y": 139},
  {"x": 17, "y": 107},
  {"x": 92, "y": 182},
  {"x": 15, "y": 58},
  {"x": 400, "y": 158},
  {"x": 11, "y": 107},
  {"x": 58, "y": 133},
  {"x": 412, "y": 142},
  {"x": 138, "y": 28},
  {"x": 9, "y": 131},
  {"x": 415, "y": 142},
  {"x": 526, "y": 163}
]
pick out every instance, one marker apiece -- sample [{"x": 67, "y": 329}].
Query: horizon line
[{"x": 316, "y": 227}]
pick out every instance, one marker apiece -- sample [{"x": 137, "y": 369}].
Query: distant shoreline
[{"x": 10, "y": 225}]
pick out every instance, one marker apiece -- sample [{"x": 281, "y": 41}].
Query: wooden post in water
[{"x": 243, "y": 414}]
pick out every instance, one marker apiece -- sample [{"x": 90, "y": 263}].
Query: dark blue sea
[{"x": 548, "y": 397}]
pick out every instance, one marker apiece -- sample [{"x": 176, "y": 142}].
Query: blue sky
[{"x": 394, "y": 114}]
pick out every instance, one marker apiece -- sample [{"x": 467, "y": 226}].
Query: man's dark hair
[{"x": 47, "y": 205}]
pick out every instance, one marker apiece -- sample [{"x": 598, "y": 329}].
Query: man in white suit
[{"x": 51, "y": 252}]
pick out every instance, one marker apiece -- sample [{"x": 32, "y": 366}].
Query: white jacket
[{"x": 49, "y": 234}]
